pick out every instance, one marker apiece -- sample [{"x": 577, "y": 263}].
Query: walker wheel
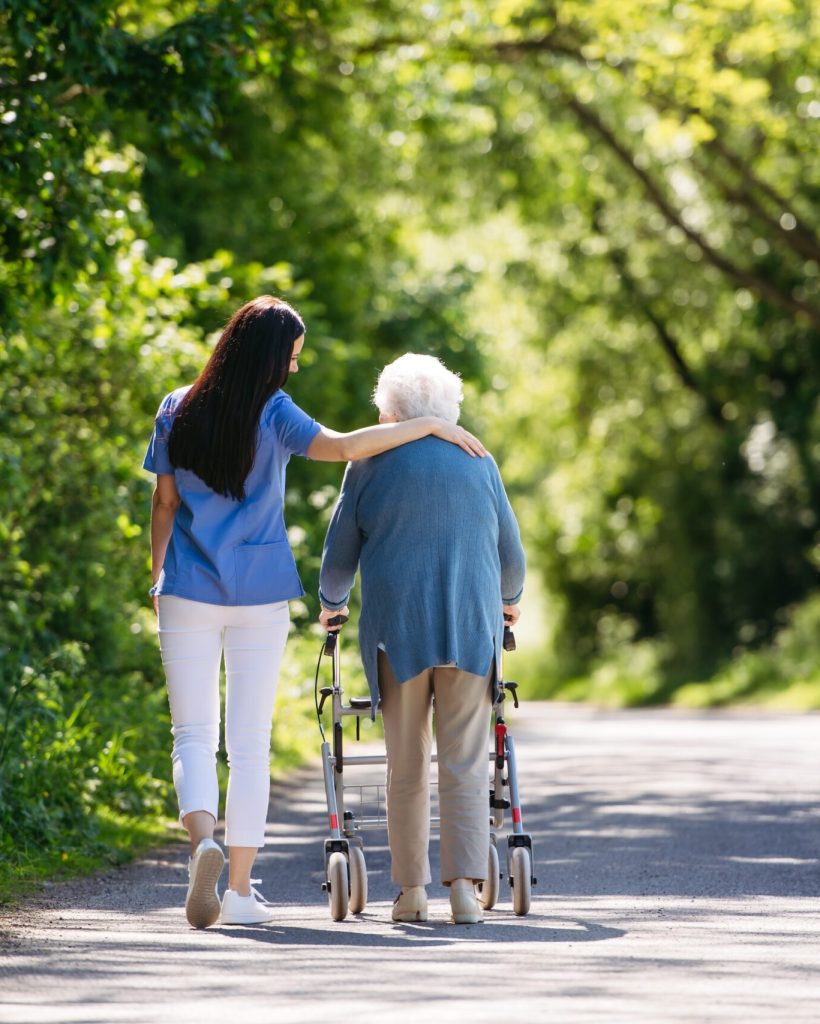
[
  {"x": 358, "y": 880},
  {"x": 521, "y": 879},
  {"x": 337, "y": 890}
]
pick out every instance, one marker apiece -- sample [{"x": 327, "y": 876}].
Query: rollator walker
[{"x": 345, "y": 868}]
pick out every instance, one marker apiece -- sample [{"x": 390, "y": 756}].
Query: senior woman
[{"x": 441, "y": 563}]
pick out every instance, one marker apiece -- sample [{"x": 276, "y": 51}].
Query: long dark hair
[{"x": 215, "y": 430}]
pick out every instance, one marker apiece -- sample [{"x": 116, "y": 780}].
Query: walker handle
[{"x": 330, "y": 639}]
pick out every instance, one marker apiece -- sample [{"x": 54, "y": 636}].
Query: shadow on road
[
  {"x": 671, "y": 820},
  {"x": 429, "y": 934}
]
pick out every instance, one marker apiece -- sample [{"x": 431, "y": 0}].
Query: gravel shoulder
[{"x": 677, "y": 861}]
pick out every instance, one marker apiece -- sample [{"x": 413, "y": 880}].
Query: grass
[
  {"x": 120, "y": 838},
  {"x": 782, "y": 676}
]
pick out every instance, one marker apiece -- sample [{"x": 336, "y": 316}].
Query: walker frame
[{"x": 345, "y": 866}]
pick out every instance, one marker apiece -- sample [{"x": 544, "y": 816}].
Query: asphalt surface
[{"x": 678, "y": 880}]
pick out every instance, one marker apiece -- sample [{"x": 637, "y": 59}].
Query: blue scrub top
[{"x": 224, "y": 551}]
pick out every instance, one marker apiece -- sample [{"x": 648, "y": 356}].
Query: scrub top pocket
[{"x": 268, "y": 569}]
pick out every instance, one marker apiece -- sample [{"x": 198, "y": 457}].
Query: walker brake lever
[{"x": 512, "y": 687}]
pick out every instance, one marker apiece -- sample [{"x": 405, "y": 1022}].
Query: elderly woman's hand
[
  {"x": 327, "y": 614},
  {"x": 455, "y": 434},
  {"x": 512, "y": 613}
]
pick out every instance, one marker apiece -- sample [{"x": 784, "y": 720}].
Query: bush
[{"x": 785, "y": 674}]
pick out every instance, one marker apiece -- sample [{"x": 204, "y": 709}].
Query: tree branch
[
  {"x": 506, "y": 49},
  {"x": 801, "y": 245},
  {"x": 667, "y": 340},
  {"x": 549, "y": 43},
  {"x": 744, "y": 277},
  {"x": 801, "y": 237}
]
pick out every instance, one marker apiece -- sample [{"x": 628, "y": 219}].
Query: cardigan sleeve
[
  {"x": 510, "y": 550},
  {"x": 343, "y": 542}
]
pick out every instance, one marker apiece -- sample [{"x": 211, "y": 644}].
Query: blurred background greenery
[{"x": 602, "y": 214}]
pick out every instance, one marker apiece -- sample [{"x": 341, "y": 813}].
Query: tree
[{"x": 661, "y": 165}]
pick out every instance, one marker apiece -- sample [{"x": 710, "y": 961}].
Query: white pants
[{"x": 193, "y": 636}]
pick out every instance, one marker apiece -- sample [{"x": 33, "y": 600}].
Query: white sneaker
[
  {"x": 463, "y": 902},
  {"x": 252, "y": 909},
  {"x": 411, "y": 904},
  {"x": 204, "y": 869}
]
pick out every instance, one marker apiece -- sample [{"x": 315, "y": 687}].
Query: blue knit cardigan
[{"x": 439, "y": 551}]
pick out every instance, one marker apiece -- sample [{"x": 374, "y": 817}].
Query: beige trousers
[{"x": 463, "y": 703}]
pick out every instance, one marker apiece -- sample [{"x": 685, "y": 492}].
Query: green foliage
[
  {"x": 73, "y": 71},
  {"x": 85, "y": 726},
  {"x": 98, "y": 330},
  {"x": 650, "y": 174},
  {"x": 65, "y": 755}
]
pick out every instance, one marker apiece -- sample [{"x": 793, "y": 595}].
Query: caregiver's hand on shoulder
[
  {"x": 327, "y": 614},
  {"x": 455, "y": 434}
]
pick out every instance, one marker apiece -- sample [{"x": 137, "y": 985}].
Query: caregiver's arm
[
  {"x": 331, "y": 446},
  {"x": 164, "y": 505}
]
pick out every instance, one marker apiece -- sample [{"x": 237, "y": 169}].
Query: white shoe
[
  {"x": 252, "y": 909},
  {"x": 204, "y": 869},
  {"x": 411, "y": 904},
  {"x": 463, "y": 902}
]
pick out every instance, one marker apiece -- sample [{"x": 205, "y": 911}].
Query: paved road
[{"x": 677, "y": 858}]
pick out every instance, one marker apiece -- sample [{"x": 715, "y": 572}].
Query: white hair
[{"x": 415, "y": 385}]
